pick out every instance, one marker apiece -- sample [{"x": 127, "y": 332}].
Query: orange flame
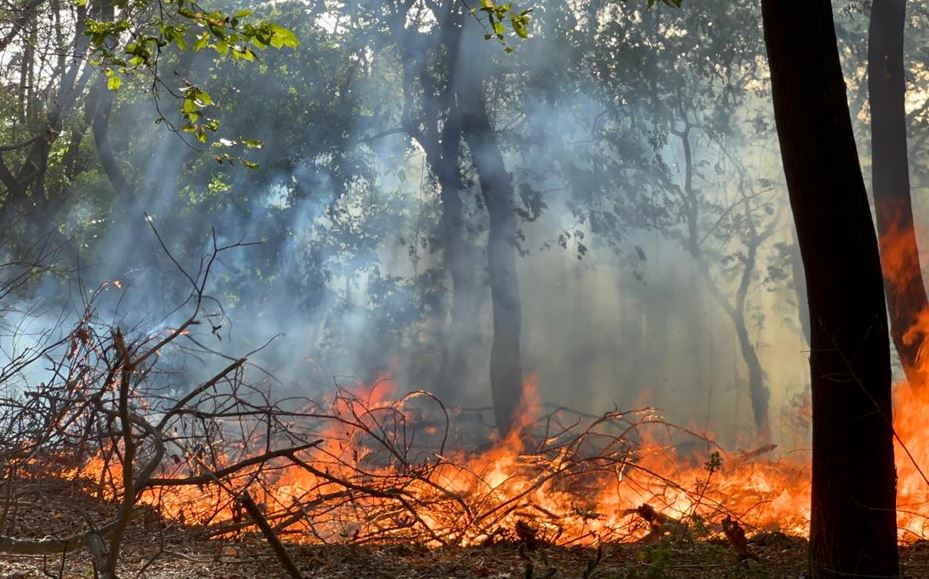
[{"x": 577, "y": 493}]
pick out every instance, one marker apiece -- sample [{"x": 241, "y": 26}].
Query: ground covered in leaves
[{"x": 182, "y": 556}]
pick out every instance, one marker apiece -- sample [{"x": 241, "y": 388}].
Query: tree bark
[
  {"x": 506, "y": 374},
  {"x": 853, "y": 527},
  {"x": 890, "y": 179},
  {"x": 799, "y": 287}
]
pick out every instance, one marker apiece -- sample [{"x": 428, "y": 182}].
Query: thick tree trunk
[
  {"x": 890, "y": 178},
  {"x": 506, "y": 374},
  {"x": 853, "y": 527}
]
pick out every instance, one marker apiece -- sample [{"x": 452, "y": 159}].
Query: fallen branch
[{"x": 262, "y": 523}]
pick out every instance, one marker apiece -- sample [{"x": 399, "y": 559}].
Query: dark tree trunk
[
  {"x": 853, "y": 528},
  {"x": 462, "y": 334},
  {"x": 430, "y": 66},
  {"x": 506, "y": 374},
  {"x": 31, "y": 173},
  {"x": 758, "y": 392},
  {"x": 103, "y": 99},
  {"x": 799, "y": 287},
  {"x": 890, "y": 178},
  {"x": 103, "y": 105}
]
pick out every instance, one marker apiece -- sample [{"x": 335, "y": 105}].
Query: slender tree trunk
[
  {"x": 506, "y": 374},
  {"x": 430, "y": 66},
  {"x": 103, "y": 105},
  {"x": 463, "y": 332},
  {"x": 853, "y": 527},
  {"x": 25, "y": 72},
  {"x": 32, "y": 102},
  {"x": 103, "y": 99},
  {"x": 758, "y": 392},
  {"x": 32, "y": 171},
  {"x": 890, "y": 178}
]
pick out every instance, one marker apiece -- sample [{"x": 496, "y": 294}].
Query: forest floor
[
  {"x": 184, "y": 556},
  {"x": 181, "y": 556},
  {"x": 156, "y": 548}
]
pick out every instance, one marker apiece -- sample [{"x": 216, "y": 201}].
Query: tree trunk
[
  {"x": 758, "y": 392},
  {"x": 506, "y": 374},
  {"x": 799, "y": 287},
  {"x": 890, "y": 178},
  {"x": 430, "y": 69},
  {"x": 853, "y": 527},
  {"x": 103, "y": 99},
  {"x": 462, "y": 333},
  {"x": 103, "y": 105}
]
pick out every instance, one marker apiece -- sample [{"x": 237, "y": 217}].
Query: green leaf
[
  {"x": 189, "y": 106},
  {"x": 520, "y": 23},
  {"x": 202, "y": 41},
  {"x": 281, "y": 36},
  {"x": 113, "y": 82}
]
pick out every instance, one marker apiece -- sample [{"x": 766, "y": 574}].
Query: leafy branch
[{"x": 132, "y": 44}]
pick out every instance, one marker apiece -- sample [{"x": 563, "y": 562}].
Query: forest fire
[
  {"x": 615, "y": 478},
  {"x": 222, "y": 224},
  {"x": 912, "y": 456},
  {"x": 563, "y": 484}
]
